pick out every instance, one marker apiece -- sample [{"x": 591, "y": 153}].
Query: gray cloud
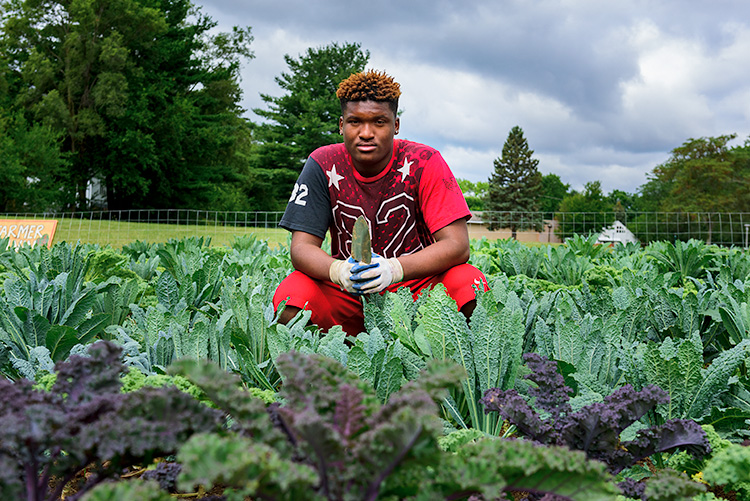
[{"x": 603, "y": 90}]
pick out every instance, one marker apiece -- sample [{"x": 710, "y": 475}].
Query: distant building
[
  {"x": 478, "y": 229},
  {"x": 617, "y": 233},
  {"x": 96, "y": 194}
]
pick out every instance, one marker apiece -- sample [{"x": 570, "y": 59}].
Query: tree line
[
  {"x": 143, "y": 97},
  {"x": 703, "y": 175}
]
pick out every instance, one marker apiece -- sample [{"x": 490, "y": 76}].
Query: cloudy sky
[{"x": 603, "y": 89}]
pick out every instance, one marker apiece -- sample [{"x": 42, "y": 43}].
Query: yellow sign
[{"x": 28, "y": 231}]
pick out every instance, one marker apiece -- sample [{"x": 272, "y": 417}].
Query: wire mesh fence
[
  {"x": 120, "y": 227},
  {"x": 720, "y": 228},
  {"x": 117, "y": 228}
]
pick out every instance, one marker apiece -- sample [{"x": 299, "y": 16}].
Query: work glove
[
  {"x": 368, "y": 279},
  {"x": 340, "y": 273}
]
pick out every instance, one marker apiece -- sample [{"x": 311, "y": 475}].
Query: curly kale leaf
[
  {"x": 631, "y": 488},
  {"x": 245, "y": 466},
  {"x": 355, "y": 442},
  {"x": 86, "y": 422},
  {"x": 493, "y": 467},
  {"x": 730, "y": 467},
  {"x": 668, "y": 485},
  {"x": 551, "y": 393},
  {"x": 165, "y": 474},
  {"x": 683, "y": 434},
  {"x": 249, "y": 414},
  {"x": 596, "y": 428},
  {"x": 142, "y": 491},
  {"x": 514, "y": 408}
]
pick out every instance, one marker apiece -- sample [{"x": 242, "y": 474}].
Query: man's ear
[
  {"x": 397, "y": 124},
  {"x": 341, "y": 125}
]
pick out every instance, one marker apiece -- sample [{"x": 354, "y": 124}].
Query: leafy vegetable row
[{"x": 671, "y": 316}]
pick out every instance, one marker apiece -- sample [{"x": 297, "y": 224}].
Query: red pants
[{"x": 332, "y": 306}]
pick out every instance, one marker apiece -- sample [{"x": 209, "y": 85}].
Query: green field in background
[{"x": 118, "y": 233}]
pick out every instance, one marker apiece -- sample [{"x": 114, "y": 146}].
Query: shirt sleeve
[
  {"x": 309, "y": 207},
  {"x": 440, "y": 196}
]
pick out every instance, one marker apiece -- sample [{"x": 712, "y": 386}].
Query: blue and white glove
[
  {"x": 340, "y": 273},
  {"x": 376, "y": 276}
]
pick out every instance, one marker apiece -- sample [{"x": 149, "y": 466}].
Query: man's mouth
[{"x": 366, "y": 147}]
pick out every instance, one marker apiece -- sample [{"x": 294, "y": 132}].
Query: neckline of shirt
[{"x": 379, "y": 175}]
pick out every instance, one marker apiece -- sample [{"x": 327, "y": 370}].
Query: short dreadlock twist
[{"x": 369, "y": 85}]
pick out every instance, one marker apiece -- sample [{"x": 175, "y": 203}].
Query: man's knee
[
  {"x": 468, "y": 308},
  {"x": 288, "y": 313}
]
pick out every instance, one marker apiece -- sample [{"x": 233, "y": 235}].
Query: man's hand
[
  {"x": 340, "y": 273},
  {"x": 376, "y": 276}
]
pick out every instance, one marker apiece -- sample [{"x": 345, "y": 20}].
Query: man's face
[{"x": 368, "y": 128}]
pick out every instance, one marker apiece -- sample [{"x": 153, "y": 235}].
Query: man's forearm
[
  {"x": 451, "y": 248},
  {"x": 433, "y": 259},
  {"x": 312, "y": 261}
]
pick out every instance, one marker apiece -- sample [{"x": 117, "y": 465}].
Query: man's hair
[{"x": 369, "y": 86}]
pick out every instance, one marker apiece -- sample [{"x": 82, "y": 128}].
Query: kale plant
[
  {"x": 595, "y": 428},
  {"x": 331, "y": 435},
  {"x": 666, "y": 485},
  {"x": 332, "y": 438},
  {"x": 86, "y": 422},
  {"x": 730, "y": 468}
]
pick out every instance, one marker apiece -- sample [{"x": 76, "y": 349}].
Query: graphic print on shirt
[
  {"x": 388, "y": 203},
  {"x": 405, "y": 169},
  {"x": 344, "y": 216},
  {"x": 391, "y": 208},
  {"x": 299, "y": 192},
  {"x": 334, "y": 177},
  {"x": 403, "y": 205}
]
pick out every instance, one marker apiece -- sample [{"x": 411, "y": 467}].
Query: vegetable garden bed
[{"x": 586, "y": 372}]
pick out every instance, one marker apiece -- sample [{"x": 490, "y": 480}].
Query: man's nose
[{"x": 366, "y": 131}]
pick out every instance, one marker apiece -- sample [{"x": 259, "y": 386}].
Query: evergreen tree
[
  {"x": 515, "y": 187},
  {"x": 301, "y": 120}
]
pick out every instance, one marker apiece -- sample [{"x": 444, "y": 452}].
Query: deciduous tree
[
  {"x": 31, "y": 160},
  {"x": 584, "y": 213},
  {"x": 702, "y": 177},
  {"x": 552, "y": 193},
  {"x": 515, "y": 187},
  {"x": 474, "y": 193},
  {"x": 145, "y": 97}
]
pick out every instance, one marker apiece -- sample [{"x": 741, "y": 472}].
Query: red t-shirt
[{"x": 413, "y": 197}]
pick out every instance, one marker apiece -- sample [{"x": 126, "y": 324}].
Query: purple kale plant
[
  {"x": 356, "y": 443},
  {"x": 86, "y": 423},
  {"x": 595, "y": 428},
  {"x": 340, "y": 442},
  {"x": 329, "y": 421},
  {"x": 165, "y": 474},
  {"x": 631, "y": 488}
]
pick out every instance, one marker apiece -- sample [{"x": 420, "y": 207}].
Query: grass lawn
[{"x": 119, "y": 233}]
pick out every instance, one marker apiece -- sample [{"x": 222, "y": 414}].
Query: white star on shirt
[
  {"x": 405, "y": 169},
  {"x": 334, "y": 177}
]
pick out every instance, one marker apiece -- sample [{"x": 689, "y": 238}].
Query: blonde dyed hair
[{"x": 369, "y": 85}]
